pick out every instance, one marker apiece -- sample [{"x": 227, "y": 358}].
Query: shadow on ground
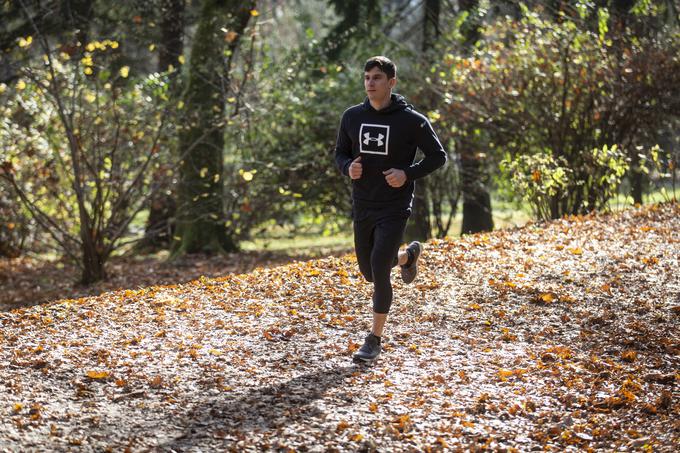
[{"x": 261, "y": 410}]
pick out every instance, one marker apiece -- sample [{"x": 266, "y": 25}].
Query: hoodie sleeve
[
  {"x": 435, "y": 156},
  {"x": 343, "y": 148}
]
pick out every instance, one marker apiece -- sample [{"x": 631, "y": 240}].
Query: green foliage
[
  {"x": 281, "y": 165},
  {"x": 543, "y": 180},
  {"x": 538, "y": 178},
  {"x": 544, "y": 95}
]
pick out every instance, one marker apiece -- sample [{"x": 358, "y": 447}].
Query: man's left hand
[{"x": 395, "y": 177}]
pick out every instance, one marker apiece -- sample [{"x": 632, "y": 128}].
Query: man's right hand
[{"x": 355, "y": 168}]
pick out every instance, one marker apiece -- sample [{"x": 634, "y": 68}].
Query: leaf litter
[{"x": 556, "y": 336}]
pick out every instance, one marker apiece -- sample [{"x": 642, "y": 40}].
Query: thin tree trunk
[
  {"x": 159, "y": 227},
  {"x": 419, "y": 227},
  {"x": 476, "y": 199},
  {"x": 79, "y": 13},
  {"x": 172, "y": 33},
  {"x": 477, "y": 215},
  {"x": 93, "y": 264}
]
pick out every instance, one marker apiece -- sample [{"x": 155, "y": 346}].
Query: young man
[{"x": 376, "y": 148}]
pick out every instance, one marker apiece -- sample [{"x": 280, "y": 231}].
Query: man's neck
[{"x": 382, "y": 103}]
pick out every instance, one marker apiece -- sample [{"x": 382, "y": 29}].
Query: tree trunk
[
  {"x": 636, "y": 185},
  {"x": 93, "y": 264},
  {"x": 419, "y": 227},
  {"x": 200, "y": 217},
  {"x": 431, "y": 23},
  {"x": 160, "y": 224},
  {"x": 79, "y": 14},
  {"x": 476, "y": 199},
  {"x": 172, "y": 33}
]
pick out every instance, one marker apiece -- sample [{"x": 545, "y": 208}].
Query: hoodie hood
[{"x": 398, "y": 103}]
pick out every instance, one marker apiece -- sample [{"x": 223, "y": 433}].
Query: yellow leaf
[
  {"x": 505, "y": 373},
  {"x": 152, "y": 47},
  {"x": 3, "y": 88},
  {"x": 356, "y": 437},
  {"x": 248, "y": 176},
  {"x": 18, "y": 407},
  {"x": 90, "y": 97},
  {"x": 124, "y": 71},
  {"x": 25, "y": 42},
  {"x": 88, "y": 71},
  {"x": 98, "y": 374},
  {"x": 254, "y": 13},
  {"x": 21, "y": 85},
  {"x": 181, "y": 59},
  {"x": 547, "y": 298},
  {"x": 576, "y": 251},
  {"x": 114, "y": 44}
]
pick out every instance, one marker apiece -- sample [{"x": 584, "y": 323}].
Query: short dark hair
[{"x": 385, "y": 64}]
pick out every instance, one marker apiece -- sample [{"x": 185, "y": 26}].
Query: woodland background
[{"x": 181, "y": 127}]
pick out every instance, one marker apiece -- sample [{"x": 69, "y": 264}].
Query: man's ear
[{"x": 393, "y": 82}]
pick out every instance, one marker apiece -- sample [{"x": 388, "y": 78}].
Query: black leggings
[{"x": 377, "y": 237}]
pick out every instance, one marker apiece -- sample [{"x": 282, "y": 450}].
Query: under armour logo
[
  {"x": 374, "y": 139},
  {"x": 368, "y": 139}
]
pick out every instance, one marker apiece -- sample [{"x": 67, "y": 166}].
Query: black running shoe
[
  {"x": 408, "y": 273},
  {"x": 369, "y": 351}
]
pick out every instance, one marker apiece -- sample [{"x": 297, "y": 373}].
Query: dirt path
[{"x": 560, "y": 336}]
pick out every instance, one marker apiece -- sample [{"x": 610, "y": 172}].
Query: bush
[
  {"x": 544, "y": 95},
  {"x": 81, "y": 143},
  {"x": 543, "y": 180}
]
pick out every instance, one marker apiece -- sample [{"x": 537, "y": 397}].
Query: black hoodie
[{"x": 385, "y": 139}]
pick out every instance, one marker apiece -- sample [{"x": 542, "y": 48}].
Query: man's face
[{"x": 377, "y": 85}]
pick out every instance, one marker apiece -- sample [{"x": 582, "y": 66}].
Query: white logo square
[{"x": 374, "y": 139}]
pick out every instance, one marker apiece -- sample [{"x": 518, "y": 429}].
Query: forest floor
[
  {"x": 27, "y": 281},
  {"x": 558, "y": 336}
]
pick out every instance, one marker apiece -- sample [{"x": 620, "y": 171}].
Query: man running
[{"x": 376, "y": 148}]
